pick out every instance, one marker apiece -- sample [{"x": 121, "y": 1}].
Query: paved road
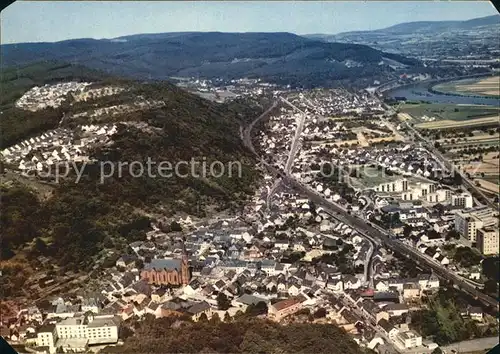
[
  {"x": 247, "y": 133},
  {"x": 295, "y": 142},
  {"x": 390, "y": 347},
  {"x": 270, "y": 194},
  {"x": 472, "y": 345},
  {"x": 293, "y": 151},
  {"x": 461, "y": 347},
  {"x": 365, "y": 228}
]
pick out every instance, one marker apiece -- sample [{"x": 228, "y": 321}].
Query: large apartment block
[
  {"x": 463, "y": 200},
  {"x": 400, "y": 185},
  {"x": 75, "y": 334},
  {"x": 487, "y": 240},
  {"x": 469, "y": 221}
]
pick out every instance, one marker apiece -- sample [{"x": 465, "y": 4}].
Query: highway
[
  {"x": 291, "y": 158},
  {"x": 296, "y": 137},
  {"x": 365, "y": 228}
]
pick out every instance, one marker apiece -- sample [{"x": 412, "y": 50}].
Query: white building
[
  {"x": 76, "y": 333},
  {"x": 487, "y": 240},
  {"x": 400, "y": 185},
  {"x": 463, "y": 200},
  {"x": 468, "y": 222},
  {"x": 46, "y": 337},
  {"x": 408, "y": 339},
  {"x": 420, "y": 191},
  {"x": 439, "y": 196}
]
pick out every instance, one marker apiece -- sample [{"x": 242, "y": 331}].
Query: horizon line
[{"x": 237, "y": 32}]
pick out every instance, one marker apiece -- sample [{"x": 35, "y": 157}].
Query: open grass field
[
  {"x": 448, "y": 123},
  {"x": 486, "y": 171},
  {"x": 488, "y": 186},
  {"x": 489, "y": 86},
  {"x": 404, "y": 117},
  {"x": 493, "y": 179},
  {"x": 443, "y": 111},
  {"x": 484, "y": 140}
]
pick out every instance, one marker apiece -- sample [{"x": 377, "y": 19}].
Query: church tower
[{"x": 185, "y": 273}]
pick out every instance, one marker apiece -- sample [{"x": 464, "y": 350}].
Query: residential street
[{"x": 463, "y": 347}]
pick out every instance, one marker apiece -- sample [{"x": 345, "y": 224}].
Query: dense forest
[
  {"x": 241, "y": 336},
  {"x": 274, "y": 57}
]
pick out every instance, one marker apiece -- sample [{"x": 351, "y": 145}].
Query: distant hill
[
  {"x": 418, "y": 26},
  {"x": 427, "y": 38},
  {"x": 434, "y": 26},
  {"x": 278, "y": 57},
  {"x": 482, "y": 21}
]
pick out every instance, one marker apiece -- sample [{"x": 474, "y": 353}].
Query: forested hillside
[
  {"x": 283, "y": 58},
  {"x": 77, "y": 221},
  {"x": 240, "y": 336}
]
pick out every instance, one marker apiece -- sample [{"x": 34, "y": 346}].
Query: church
[{"x": 167, "y": 271}]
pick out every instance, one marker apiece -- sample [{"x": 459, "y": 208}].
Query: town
[{"x": 287, "y": 257}]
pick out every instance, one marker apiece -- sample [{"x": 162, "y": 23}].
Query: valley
[{"x": 218, "y": 183}]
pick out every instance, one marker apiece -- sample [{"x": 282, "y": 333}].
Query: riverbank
[
  {"x": 423, "y": 91},
  {"x": 477, "y": 87}
]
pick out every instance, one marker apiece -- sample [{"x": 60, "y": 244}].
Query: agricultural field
[
  {"x": 489, "y": 86},
  {"x": 489, "y": 164},
  {"x": 485, "y": 171},
  {"x": 404, "y": 117},
  {"x": 456, "y": 143},
  {"x": 448, "y": 123},
  {"x": 452, "y": 112},
  {"x": 487, "y": 186},
  {"x": 493, "y": 179}
]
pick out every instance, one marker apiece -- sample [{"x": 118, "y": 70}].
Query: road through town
[{"x": 366, "y": 228}]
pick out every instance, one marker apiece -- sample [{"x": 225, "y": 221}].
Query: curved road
[
  {"x": 293, "y": 150},
  {"x": 369, "y": 229}
]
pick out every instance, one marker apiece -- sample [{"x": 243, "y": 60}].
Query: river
[{"x": 420, "y": 92}]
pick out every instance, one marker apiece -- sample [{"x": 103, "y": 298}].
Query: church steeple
[{"x": 185, "y": 273}]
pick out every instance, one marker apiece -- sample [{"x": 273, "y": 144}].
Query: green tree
[
  {"x": 175, "y": 226},
  {"x": 40, "y": 246},
  {"x": 223, "y": 302},
  {"x": 321, "y": 312},
  {"x": 139, "y": 263},
  {"x": 215, "y": 318}
]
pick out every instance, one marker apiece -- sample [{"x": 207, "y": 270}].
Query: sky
[{"x": 50, "y": 21}]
